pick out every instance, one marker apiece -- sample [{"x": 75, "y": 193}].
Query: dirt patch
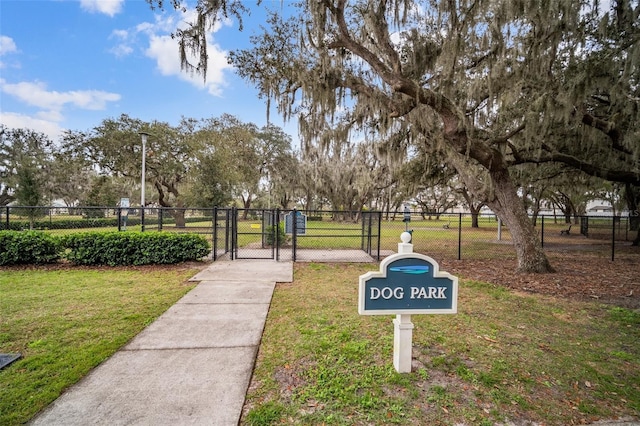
[{"x": 580, "y": 274}]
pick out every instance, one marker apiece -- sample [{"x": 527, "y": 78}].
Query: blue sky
[{"x": 69, "y": 64}]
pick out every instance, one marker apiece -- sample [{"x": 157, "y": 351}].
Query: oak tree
[{"x": 486, "y": 84}]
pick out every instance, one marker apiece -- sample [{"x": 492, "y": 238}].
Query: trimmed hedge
[
  {"x": 29, "y": 247},
  {"x": 18, "y": 225},
  {"x": 94, "y": 248},
  {"x": 46, "y": 224},
  {"x": 133, "y": 248}
]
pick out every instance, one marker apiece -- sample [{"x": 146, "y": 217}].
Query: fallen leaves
[
  {"x": 578, "y": 275},
  {"x": 488, "y": 339}
]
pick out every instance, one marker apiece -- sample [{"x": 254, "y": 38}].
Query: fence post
[
  {"x": 294, "y": 232},
  {"x": 142, "y": 218},
  {"x": 214, "y": 241},
  {"x": 459, "y": 236},
  {"x": 370, "y": 234},
  {"x": 613, "y": 237},
  {"x": 160, "y": 210},
  {"x": 542, "y": 231},
  {"x": 7, "y": 228},
  {"x": 362, "y": 232},
  {"x": 275, "y": 216},
  {"x": 379, "y": 234},
  {"x": 365, "y": 233},
  {"x": 234, "y": 233},
  {"x": 229, "y": 237},
  {"x": 119, "y": 218}
]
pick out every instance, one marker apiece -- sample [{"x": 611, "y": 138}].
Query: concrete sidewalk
[{"x": 192, "y": 366}]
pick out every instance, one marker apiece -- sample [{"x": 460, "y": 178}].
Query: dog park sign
[{"x": 407, "y": 283}]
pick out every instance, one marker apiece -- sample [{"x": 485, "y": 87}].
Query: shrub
[
  {"x": 28, "y": 247},
  {"x": 133, "y": 248},
  {"x": 270, "y": 235},
  {"x": 21, "y": 224}
]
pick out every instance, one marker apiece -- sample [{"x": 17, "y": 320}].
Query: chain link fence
[{"x": 300, "y": 235}]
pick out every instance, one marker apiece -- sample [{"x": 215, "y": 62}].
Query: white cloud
[
  {"x": 51, "y": 105},
  {"x": 125, "y": 46},
  {"x": 7, "y": 45},
  {"x": 19, "y": 121},
  {"x": 108, "y": 7},
  {"x": 164, "y": 50},
  {"x": 36, "y": 94},
  {"x": 121, "y": 50}
]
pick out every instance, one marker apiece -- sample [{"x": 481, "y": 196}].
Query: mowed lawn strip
[
  {"x": 64, "y": 322},
  {"x": 506, "y": 356}
]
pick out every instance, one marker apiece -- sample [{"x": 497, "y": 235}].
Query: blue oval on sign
[{"x": 413, "y": 269}]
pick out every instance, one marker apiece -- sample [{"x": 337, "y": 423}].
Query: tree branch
[
  {"x": 590, "y": 169},
  {"x": 608, "y": 128}
]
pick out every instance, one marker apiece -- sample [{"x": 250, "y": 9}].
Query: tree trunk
[
  {"x": 474, "y": 220},
  {"x": 246, "y": 202},
  {"x": 632, "y": 196},
  {"x": 163, "y": 200},
  {"x": 507, "y": 205},
  {"x": 178, "y": 215},
  {"x": 473, "y": 208}
]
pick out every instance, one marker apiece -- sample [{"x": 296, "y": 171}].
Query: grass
[
  {"x": 429, "y": 235},
  {"x": 504, "y": 357},
  {"x": 439, "y": 237},
  {"x": 65, "y": 322}
]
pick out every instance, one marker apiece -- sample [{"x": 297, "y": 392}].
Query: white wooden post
[
  {"x": 402, "y": 325},
  {"x": 402, "y": 343},
  {"x": 406, "y": 295}
]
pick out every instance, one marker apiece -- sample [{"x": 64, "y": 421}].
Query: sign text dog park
[{"x": 407, "y": 283}]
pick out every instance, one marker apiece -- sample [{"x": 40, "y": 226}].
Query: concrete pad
[
  {"x": 244, "y": 270},
  {"x": 230, "y": 292},
  {"x": 186, "y": 326},
  {"x": 333, "y": 256},
  {"x": 158, "y": 388}
]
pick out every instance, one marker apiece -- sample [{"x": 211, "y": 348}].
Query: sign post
[
  {"x": 124, "y": 206},
  {"x": 300, "y": 223},
  {"x": 407, "y": 283}
]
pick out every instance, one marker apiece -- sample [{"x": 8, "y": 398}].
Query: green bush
[
  {"x": 28, "y": 247},
  {"x": 21, "y": 224},
  {"x": 270, "y": 235},
  {"x": 18, "y": 225},
  {"x": 133, "y": 248}
]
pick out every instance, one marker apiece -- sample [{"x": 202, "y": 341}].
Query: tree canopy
[
  {"x": 25, "y": 163},
  {"x": 487, "y": 84}
]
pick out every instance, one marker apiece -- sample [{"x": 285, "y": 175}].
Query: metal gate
[
  {"x": 222, "y": 236},
  {"x": 371, "y": 227},
  {"x": 277, "y": 234},
  {"x": 247, "y": 233}
]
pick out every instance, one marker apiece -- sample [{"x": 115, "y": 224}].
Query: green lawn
[
  {"x": 504, "y": 357},
  {"x": 440, "y": 237},
  {"x": 65, "y": 322}
]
